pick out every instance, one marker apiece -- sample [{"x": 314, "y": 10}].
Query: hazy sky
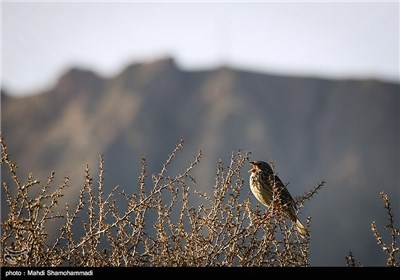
[{"x": 328, "y": 39}]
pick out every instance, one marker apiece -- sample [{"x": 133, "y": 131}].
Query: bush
[
  {"x": 390, "y": 248},
  {"x": 224, "y": 230}
]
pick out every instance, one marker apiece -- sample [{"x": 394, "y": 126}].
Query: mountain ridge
[{"x": 343, "y": 131}]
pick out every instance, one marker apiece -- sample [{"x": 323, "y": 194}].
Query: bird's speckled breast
[{"x": 256, "y": 188}]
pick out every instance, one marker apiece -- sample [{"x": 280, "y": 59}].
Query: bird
[{"x": 262, "y": 181}]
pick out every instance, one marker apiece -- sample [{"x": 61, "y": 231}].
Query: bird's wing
[{"x": 286, "y": 197}]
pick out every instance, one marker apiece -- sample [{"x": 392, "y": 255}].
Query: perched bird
[{"x": 262, "y": 182}]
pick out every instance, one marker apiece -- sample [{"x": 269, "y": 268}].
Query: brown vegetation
[{"x": 159, "y": 226}]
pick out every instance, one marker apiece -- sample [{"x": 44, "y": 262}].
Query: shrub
[
  {"x": 391, "y": 247},
  {"x": 224, "y": 230}
]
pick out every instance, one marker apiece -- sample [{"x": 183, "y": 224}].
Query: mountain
[{"x": 345, "y": 132}]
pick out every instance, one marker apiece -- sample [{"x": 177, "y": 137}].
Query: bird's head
[{"x": 259, "y": 165}]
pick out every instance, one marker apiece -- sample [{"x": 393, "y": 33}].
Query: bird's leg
[
  {"x": 269, "y": 212},
  {"x": 277, "y": 212}
]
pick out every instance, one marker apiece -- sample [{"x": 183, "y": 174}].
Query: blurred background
[{"x": 312, "y": 86}]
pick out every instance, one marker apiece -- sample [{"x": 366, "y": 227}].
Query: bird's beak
[{"x": 253, "y": 166}]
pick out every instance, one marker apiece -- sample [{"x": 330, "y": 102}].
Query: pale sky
[{"x": 40, "y": 41}]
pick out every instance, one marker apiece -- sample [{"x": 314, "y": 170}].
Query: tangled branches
[{"x": 155, "y": 226}]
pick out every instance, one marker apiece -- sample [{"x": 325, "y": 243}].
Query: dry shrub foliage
[
  {"x": 157, "y": 225},
  {"x": 391, "y": 246}
]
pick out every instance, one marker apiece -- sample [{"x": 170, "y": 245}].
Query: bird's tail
[{"x": 301, "y": 229}]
